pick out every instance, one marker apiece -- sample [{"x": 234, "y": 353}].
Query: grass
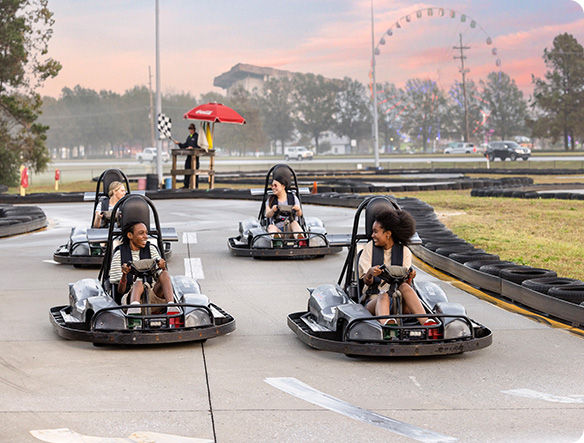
[
  {"x": 543, "y": 233},
  {"x": 540, "y": 233}
]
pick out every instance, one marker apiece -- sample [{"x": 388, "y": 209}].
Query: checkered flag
[{"x": 164, "y": 126}]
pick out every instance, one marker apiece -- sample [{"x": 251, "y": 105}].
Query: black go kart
[
  {"x": 86, "y": 245},
  {"x": 254, "y": 240},
  {"x": 95, "y": 312},
  {"x": 336, "y": 321}
]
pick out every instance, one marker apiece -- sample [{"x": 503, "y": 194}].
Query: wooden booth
[{"x": 195, "y": 171}]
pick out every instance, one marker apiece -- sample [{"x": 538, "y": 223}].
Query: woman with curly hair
[{"x": 391, "y": 230}]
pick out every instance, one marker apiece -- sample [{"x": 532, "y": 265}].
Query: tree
[
  {"x": 507, "y": 106},
  {"x": 25, "y": 30},
  {"x": 391, "y": 105},
  {"x": 562, "y": 96},
  {"x": 315, "y": 100},
  {"x": 426, "y": 106},
  {"x": 353, "y": 116},
  {"x": 275, "y": 104}
]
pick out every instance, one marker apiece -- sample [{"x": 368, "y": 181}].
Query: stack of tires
[{"x": 20, "y": 219}]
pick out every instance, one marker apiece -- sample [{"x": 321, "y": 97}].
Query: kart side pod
[{"x": 454, "y": 327}]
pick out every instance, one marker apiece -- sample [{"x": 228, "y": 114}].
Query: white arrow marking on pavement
[
  {"x": 305, "y": 392},
  {"x": 65, "y": 435},
  {"x": 578, "y": 399},
  {"x": 194, "y": 268}
]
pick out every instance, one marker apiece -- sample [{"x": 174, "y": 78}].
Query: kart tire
[
  {"x": 494, "y": 268},
  {"x": 519, "y": 274},
  {"x": 544, "y": 285},
  {"x": 452, "y": 249},
  {"x": 463, "y": 257},
  {"x": 569, "y": 293}
]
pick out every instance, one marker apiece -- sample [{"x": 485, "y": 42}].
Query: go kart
[
  {"x": 95, "y": 311},
  {"x": 254, "y": 240},
  {"x": 86, "y": 245},
  {"x": 337, "y": 321}
]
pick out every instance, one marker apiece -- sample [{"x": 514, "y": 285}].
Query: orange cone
[{"x": 314, "y": 190}]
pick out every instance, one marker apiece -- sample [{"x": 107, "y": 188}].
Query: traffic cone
[{"x": 314, "y": 190}]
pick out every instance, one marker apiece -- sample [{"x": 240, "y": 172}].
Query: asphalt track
[{"x": 261, "y": 383}]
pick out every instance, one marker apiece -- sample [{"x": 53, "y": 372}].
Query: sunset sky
[{"x": 109, "y": 44}]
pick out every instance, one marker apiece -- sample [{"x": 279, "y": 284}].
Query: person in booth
[{"x": 190, "y": 143}]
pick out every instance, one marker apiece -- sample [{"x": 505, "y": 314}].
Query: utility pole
[
  {"x": 153, "y": 140},
  {"x": 463, "y": 71},
  {"x": 374, "y": 91},
  {"x": 158, "y": 102}
]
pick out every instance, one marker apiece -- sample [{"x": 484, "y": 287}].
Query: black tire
[
  {"x": 140, "y": 160},
  {"x": 544, "y": 285},
  {"x": 453, "y": 249},
  {"x": 286, "y": 158},
  {"x": 479, "y": 263},
  {"x": 491, "y": 157},
  {"x": 299, "y": 158},
  {"x": 463, "y": 257},
  {"x": 494, "y": 268},
  {"x": 569, "y": 293},
  {"x": 512, "y": 157},
  {"x": 433, "y": 245},
  {"x": 519, "y": 274}
]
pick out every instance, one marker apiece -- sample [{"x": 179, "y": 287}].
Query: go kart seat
[
  {"x": 134, "y": 208},
  {"x": 109, "y": 176},
  {"x": 376, "y": 205}
]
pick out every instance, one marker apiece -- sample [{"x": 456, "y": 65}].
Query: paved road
[{"x": 526, "y": 387}]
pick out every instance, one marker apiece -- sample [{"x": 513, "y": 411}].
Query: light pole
[
  {"x": 374, "y": 91},
  {"x": 158, "y": 104}
]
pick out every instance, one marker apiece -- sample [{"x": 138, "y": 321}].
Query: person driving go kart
[
  {"x": 277, "y": 218},
  {"x": 116, "y": 191},
  {"x": 391, "y": 232},
  {"x": 135, "y": 246}
]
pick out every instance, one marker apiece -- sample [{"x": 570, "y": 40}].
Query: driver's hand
[
  {"x": 161, "y": 264},
  {"x": 125, "y": 268},
  {"x": 411, "y": 276},
  {"x": 374, "y": 271}
]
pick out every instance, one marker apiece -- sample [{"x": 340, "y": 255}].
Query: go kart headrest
[
  {"x": 375, "y": 205},
  {"x": 112, "y": 175},
  {"x": 283, "y": 175},
  {"x": 134, "y": 209}
]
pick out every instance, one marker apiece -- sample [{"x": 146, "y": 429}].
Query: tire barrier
[
  {"x": 15, "y": 220},
  {"x": 564, "y": 191}
]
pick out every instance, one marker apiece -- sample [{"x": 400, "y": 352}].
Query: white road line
[
  {"x": 528, "y": 393},
  {"x": 194, "y": 268},
  {"x": 189, "y": 238},
  {"x": 307, "y": 393}
]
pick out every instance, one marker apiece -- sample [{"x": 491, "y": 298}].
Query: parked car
[
  {"x": 461, "y": 148},
  {"x": 507, "y": 149},
  {"x": 298, "y": 153},
  {"x": 149, "y": 155}
]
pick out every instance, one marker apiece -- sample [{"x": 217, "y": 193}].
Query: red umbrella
[{"x": 216, "y": 113}]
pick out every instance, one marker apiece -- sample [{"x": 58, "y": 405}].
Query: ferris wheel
[{"x": 434, "y": 48}]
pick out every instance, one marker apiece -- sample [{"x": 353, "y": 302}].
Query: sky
[{"x": 110, "y": 44}]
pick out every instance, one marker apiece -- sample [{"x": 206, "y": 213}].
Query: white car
[
  {"x": 149, "y": 155},
  {"x": 298, "y": 153},
  {"x": 461, "y": 148}
]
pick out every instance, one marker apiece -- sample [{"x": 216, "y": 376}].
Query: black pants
[{"x": 188, "y": 165}]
